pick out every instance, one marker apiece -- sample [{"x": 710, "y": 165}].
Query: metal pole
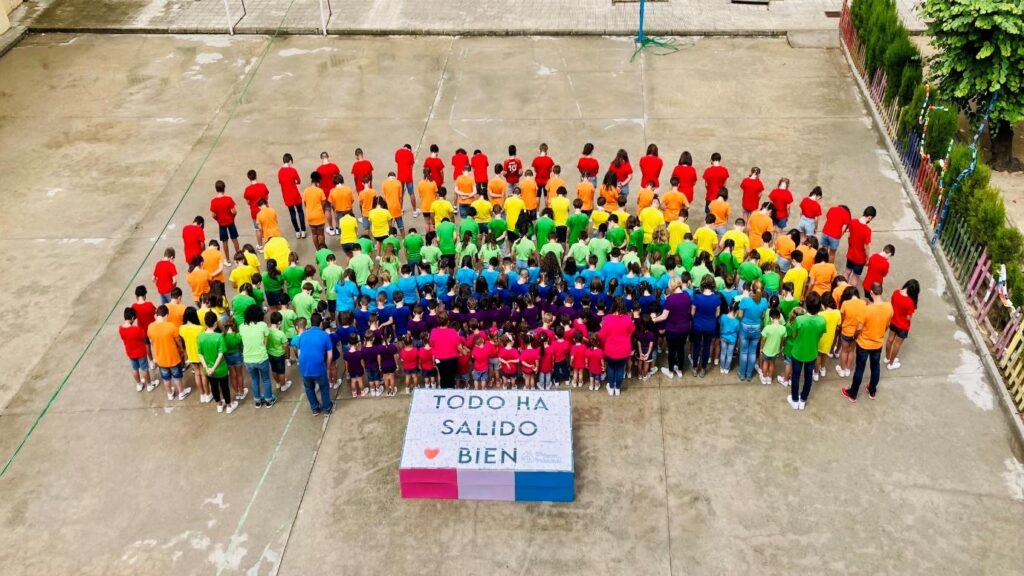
[
  {"x": 323, "y": 19},
  {"x": 640, "y": 32},
  {"x": 231, "y": 25}
]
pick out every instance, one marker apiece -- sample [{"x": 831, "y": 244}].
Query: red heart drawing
[{"x": 431, "y": 453}]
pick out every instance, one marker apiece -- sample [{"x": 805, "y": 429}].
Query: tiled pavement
[{"x": 464, "y": 17}]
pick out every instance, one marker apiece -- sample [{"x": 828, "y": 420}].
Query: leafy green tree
[{"x": 981, "y": 51}]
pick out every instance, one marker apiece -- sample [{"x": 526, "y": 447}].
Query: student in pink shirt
[
  {"x": 446, "y": 344},
  {"x": 616, "y": 334}
]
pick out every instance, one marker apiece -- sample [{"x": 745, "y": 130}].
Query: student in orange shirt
[
  {"x": 585, "y": 193},
  {"x": 314, "y": 201},
  {"x": 465, "y": 191},
  {"x": 427, "y": 189},
  {"x": 342, "y": 199},
  {"x": 870, "y": 339},
  {"x": 168, "y": 352},
  {"x": 610, "y": 191},
  {"x": 822, "y": 273},
  {"x": 673, "y": 201},
  {"x": 267, "y": 219},
  {"x": 366, "y": 197},
  {"x": 719, "y": 208},
  {"x": 853, "y": 309},
  {"x": 175, "y": 309},
  {"x": 785, "y": 244},
  {"x": 644, "y": 198},
  {"x": 198, "y": 278},
  {"x": 392, "y": 190},
  {"x": 759, "y": 223},
  {"x": 497, "y": 188},
  {"x": 528, "y": 190},
  {"x": 213, "y": 261}
]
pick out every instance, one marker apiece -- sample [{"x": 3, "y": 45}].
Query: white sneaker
[
  {"x": 679, "y": 373},
  {"x": 139, "y": 386},
  {"x": 668, "y": 373},
  {"x": 416, "y": 213},
  {"x": 152, "y": 365},
  {"x": 618, "y": 391},
  {"x": 231, "y": 407},
  {"x": 822, "y": 371},
  {"x": 151, "y": 386},
  {"x": 781, "y": 380},
  {"x": 286, "y": 386},
  {"x": 792, "y": 403},
  {"x": 716, "y": 361},
  {"x": 184, "y": 393},
  {"x": 766, "y": 381},
  {"x": 288, "y": 362},
  {"x": 305, "y": 234},
  {"x": 611, "y": 392},
  {"x": 243, "y": 395},
  {"x": 802, "y": 405},
  {"x": 298, "y": 234},
  {"x": 220, "y": 408},
  {"x": 170, "y": 395},
  {"x": 814, "y": 376},
  {"x": 895, "y": 364}
]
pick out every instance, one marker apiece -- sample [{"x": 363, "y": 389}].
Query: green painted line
[{"x": 131, "y": 281}]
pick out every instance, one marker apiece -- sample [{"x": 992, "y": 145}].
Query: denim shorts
[
  {"x": 767, "y": 358},
  {"x": 479, "y": 375},
  {"x": 781, "y": 223},
  {"x": 233, "y": 359},
  {"x": 829, "y": 243},
  {"x": 172, "y": 373},
  {"x": 806, "y": 226},
  {"x": 373, "y": 376},
  {"x": 847, "y": 339},
  {"x": 599, "y": 376},
  {"x": 399, "y": 223},
  {"x": 277, "y": 364},
  {"x": 140, "y": 364}
]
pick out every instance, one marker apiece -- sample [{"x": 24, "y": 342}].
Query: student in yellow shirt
[
  {"x": 380, "y": 220},
  {"x": 599, "y": 215},
  {"x": 650, "y": 218},
  {"x": 797, "y": 275},
  {"x": 705, "y": 237},
  {"x": 514, "y": 207},
  {"x": 442, "y": 208},
  {"x": 242, "y": 274},
  {"x": 677, "y": 229},
  {"x": 740, "y": 240},
  {"x": 497, "y": 188},
  {"x": 765, "y": 251},
  {"x": 560, "y": 206},
  {"x": 483, "y": 208},
  {"x": 348, "y": 229}
]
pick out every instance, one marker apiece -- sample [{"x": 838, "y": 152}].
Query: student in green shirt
[
  {"x": 361, "y": 264},
  {"x": 393, "y": 241},
  {"x": 273, "y": 283},
  {"x": 687, "y": 252},
  {"x": 241, "y": 302},
  {"x": 807, "y": 331},
  {"x": 470, "y": 226},
  {"x": 277, "y": 351},
  {"x": 544, "y": 226},
  {"x": 578, "y": 222},
  {"x": 254, "y": 333},
  {"x": 522, "y": 249},
  {"x": 321, "y": 258},
  {"x": 553, "y": 247},
  {"x": 366, "y": 243},
  {"x": 771, "y": 279},
  {"x": 304, "y": 303},
  {"x": 490, "y": 248},
  {"x": 726, "y": 259},
  {"x": 233, "y": 356},
  {"x": 446, "y": 239},
  {"x": 430, "y": 254},
  {"x": 772, "y": 336},
  {"x": 293, "y": 275},
  {"x": 579, "y": 251},
  {"x": 616, "y": 234},
  {"x": 257, "y": 288},
  {"x": 498, "y": 226},
  {"x": 331, "y": 274},
  {"x": 212, "y": 351},
  {"x": 288, "y": 317},
  {"x": 750, "y": 270},
  {"x": 786, "y": 300},
  {"x": 636, "y": 237},
  {"x": 413, "y": 243}
]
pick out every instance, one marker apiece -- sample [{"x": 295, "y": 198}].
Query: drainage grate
[{"x": 832, "y": 14}]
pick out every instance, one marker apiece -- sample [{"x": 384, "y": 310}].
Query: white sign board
[{"x": 516, "y": 430}]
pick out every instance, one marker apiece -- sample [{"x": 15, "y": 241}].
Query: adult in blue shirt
[
  {"x": 315, "y": 353},
  {"x": 753, "y": 304},
  {"x": 706, "y": 307}
]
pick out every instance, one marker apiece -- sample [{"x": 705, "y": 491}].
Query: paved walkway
[
  {"x": 675, "y": 477},
  {"x": 484, "y": 17}
]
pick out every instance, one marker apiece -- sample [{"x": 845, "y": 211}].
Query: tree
[{"x": 981, "y": 51}]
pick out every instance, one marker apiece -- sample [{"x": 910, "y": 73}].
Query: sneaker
[
  {"x": 286, "y": 386},
  {"x": 716, "y": 361},
  {"x": 243, "y": 395},
  {"x": 782, "y": 381},
  {"x": 151, "y": 386},
  {"x": 260, "y": 247},
  {"x": 668, "y": 373},
  {"x": 315, "y": 412},
  {"x": 611, "y": 392},
  {"x": 703, "y": 372},
  {"x": 765, "y": 381},
  {"x": 305, "y": 234},
  {"x": 298, "y": 234},
  {"x": 271, "y": 402},
  {"x": 328, "y": 411},
  {"x": 872, "y": 395},
  {"x": 801, "y": 405},
  {"x": 793, "y": 403},
  {"x": 220, "y": 408},
  {"x": 184, "y": 393},
  {"x": 365, "y": 392},
  {"x": 895, "y": 364},
  {"x": 139, "y": 386},
  {"x": 170, "y": 395},
  {"x": 416, "y": 213},
  {"x": 231, "y": 407},
  {"x": 846, "y": 393},
  {"x": 618, "y": 391},
  {"x": 814, "y": 376},
  {"x": 679, "y": 373},
  {"x": 654, "y": 370},
  {"x": 258, "y": 403},
  {"x": 822, "y": 372}
]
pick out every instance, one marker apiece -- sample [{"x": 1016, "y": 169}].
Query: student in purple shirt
[{"x": 677, "y": 322}]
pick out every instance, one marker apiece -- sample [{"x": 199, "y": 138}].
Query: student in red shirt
[
  {"x": 327, "y": 170},
  {"x": 288, "y": 178},
  {"x": 405, "y": 160},
  {"x": 857, "y": 246},
  {"x": 145, "y": 313},
  {"x": 165, "y": 276},
  {"x": 459, "y": 162},
  {"x": 512, "y": 167},
  {"x": 781, "y": 198},
  {"x": 650, "y": 168},
  {"x": 223, "y": 209},
  {"x": 715, "y": 176},
  {"x": 878, "y": 266},
  {"x": 360, "y": 168},
  {"x": 435, "y": 165},
  {"x": 686, "y": 174},
  {"x": 255, "y": 192},
  {"x": 136, "y": 348},
  {"x": 904, "y": 304},
  {"x": 588, "y": 165},
  {"x": 810, "y": 211},
  {"x": 752, "y": 187},
  {"x": 194, "y": 237},
  {"x": 480, "y": 165},
  {"x": 542, "y": 165},
  {"x": 623, "y": 171},
  {"x": 837, "y": 219}
]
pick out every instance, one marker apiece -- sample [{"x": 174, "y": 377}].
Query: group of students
[{"x": 517, "y": 285}]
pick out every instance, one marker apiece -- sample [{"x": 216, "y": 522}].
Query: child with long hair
[
  {"x": 509, "y": 358},
  {"x": 481, "y": 356},
  {"x": 189, "y": 332},
  {"x": 646, "y": 350}
]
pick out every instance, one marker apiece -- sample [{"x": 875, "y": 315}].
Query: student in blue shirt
[
  {"x": 346, "y": 291},
  {"x": 408, "y": 286}
]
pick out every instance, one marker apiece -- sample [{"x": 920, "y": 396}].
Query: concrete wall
[{"x": 6, "y": 7}]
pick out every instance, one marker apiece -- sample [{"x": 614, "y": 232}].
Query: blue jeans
[
  {"x": 261, "y": 382},
  {"x": 795, "y": 392},
  {"x": 310, "y": 383},
  {"x": 615, "y": 372},
  {"x": 624, "y": 190},
  {"x": 750, "y": 337},
  {"x": 863, "y": 356},
  {"x": 407, "y": 187},
  {"x": 725, "y": 358}
]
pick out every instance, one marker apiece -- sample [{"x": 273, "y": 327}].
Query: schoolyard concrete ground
[{"x": 109, "y": 144}]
